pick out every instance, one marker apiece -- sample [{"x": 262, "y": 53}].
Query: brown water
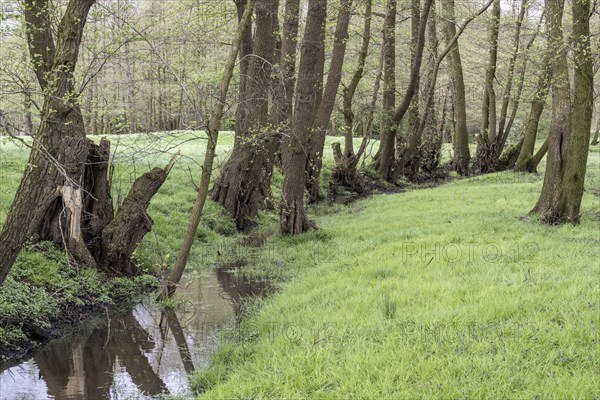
[{"x": 138, "y": 355}]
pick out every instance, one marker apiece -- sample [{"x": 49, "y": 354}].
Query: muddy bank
[{"x": 67, "y": 321}]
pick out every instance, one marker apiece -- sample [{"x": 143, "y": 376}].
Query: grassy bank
[
  {"x": 445, "y": 292},
  {"x": 45, "y": 297}
]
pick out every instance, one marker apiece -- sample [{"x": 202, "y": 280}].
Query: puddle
[{"x": 140, "y": 354}]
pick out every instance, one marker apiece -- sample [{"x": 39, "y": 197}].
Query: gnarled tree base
[
  {"x": 293, "y": 220},
  {"x": 244, "y": 185},
  {"x": 486, "y": 158},
  {"x": 74, "y": 207},
  {"x": 345, "y": 173}
]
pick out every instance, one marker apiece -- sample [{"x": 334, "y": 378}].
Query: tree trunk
[
  {"x": 131, "y": 223},
  {"x": 323, "y": 116},
  {"x": 239, "y": 188},
  {"x": 535, "y": 112},
  {"x": 244, "y": 60},
  {"x": 539, "y": 155},
  {"x": 549, "y": 204},
  {"x": 54, "y": 125},
  {"x": 407, "y": 150},
  {"x": 579, "y": 141},
  {"x": 486, "y": 149},
  {"x": 345, "y": 170},
  {"x": 560, "y": 199},
  {"x": 387, "y": 129},
  {"x": 282, "y": 113},
  {"x": 430, "y": 150},
  {"x": 460, "y": 142},
  {"x": 170, "y": 284},
  {"x": 386, "y": 170},
  {"x": 293, "y": 219}
]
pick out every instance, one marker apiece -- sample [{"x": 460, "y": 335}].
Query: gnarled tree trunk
[
  {"x": 569, "y": 139},
  {"x": 64, "y": 195},
  {"x": 460, "y": 141},
  {"x": 347, "y": 160},
  {"x": 241, "y": 187},
  {"x": 327, "y": 102},
  {"x": 293, "y": 219},
  {"x": 56, "y": 66},
  {"x": 485, "y": 159}
]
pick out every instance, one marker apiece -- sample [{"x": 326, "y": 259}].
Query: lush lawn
[{"x": 436, "y": 293}]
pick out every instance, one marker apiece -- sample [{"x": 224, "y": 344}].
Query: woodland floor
[{"x": 439, "y": 292}]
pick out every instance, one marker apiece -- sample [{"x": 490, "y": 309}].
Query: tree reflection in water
[
  {"x": 85, "y": 368},
  {"x": 142, "y": 353}
]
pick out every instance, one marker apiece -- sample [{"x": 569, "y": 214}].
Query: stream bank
[{"x": 144, "y": 352}]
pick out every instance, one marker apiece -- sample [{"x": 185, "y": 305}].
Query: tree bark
[
  {"x": 549, "y": 204},
  {"x": 287, "y": 67},
  {"x": 240, "y": 186},
  {"x": 486, "y": 150},
  {"x": 325, "y": 109},
  {"x": 568, "y": 146},
  {"x": 539, "y": 155},
  {"x": 461, "y": 155},
  {"x": 597, "y": 133},
  {"x": 346, "y": 161},
  {"x": 282, "y": 115},
  {"x": 531, "y": 126},
  {"x": 122, "y": 235},
  {"x": 293, "y": 219},
  {"x": 244, "y": 60},
  {"x": 387, "y": 130},
  {"x": 579, "y": 141}
]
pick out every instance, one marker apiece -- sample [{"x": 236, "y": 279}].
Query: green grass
[
  {"x": 435, "y": 293},
  {"x": 443, "y": 292}
]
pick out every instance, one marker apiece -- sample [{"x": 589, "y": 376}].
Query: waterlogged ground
[{"x": 142, "y": 354}]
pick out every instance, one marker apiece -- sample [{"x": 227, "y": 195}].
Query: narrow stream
[{"x": 140, "y": 354}]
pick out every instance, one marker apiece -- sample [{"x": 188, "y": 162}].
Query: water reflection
[{"x": 140, "y": 354}]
